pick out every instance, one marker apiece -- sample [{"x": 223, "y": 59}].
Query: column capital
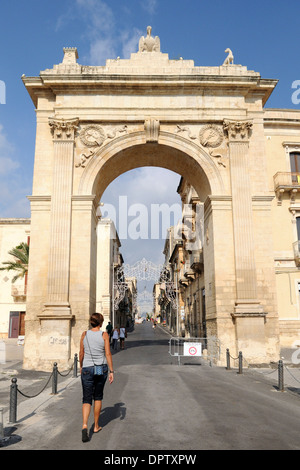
[
  {"x": 237, "y": 131},
  {"x": 63, "y": 129}
]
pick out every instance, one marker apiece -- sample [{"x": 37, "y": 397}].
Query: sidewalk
[{"x": 30, "y": 383}]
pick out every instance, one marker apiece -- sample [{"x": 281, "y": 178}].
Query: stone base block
[
  {"x": 49, "y": 341},
  {"x": 250, "y": 338}
]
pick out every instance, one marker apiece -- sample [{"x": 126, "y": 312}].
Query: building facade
[
  {"x": 283, "y": 171},
  {"x": 109, "y": 260},
  {"x": 12, "y": 294}
]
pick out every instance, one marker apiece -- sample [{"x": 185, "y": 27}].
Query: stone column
[
  {"x": 248, "y": 312},
  {"x": 56, "y": 316}
]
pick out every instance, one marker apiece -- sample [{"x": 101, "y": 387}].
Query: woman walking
[
  {"x": 123, "y": 335},
  {"x": 94, "y": 350},
  {"x": 115, "y": 338}
]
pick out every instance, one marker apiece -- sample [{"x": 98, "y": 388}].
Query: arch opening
[
  {"x": 149, "y": 155},
  {"x": 171, "y": 152},
  {"x": 185, "y": 167}
]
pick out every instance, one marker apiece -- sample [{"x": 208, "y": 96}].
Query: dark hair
[{"x": 96, "y": 319}]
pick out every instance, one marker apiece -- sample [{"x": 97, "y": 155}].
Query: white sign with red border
[{"x": 192, "y": 349}]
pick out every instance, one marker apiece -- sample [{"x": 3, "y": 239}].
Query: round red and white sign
[{"x": 192, "y": 351}]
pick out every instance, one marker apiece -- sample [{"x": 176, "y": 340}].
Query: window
[
  {"x": 295, "y": 166},
  {"x": 298, "y": 227}
]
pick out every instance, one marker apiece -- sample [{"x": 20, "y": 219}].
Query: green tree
[{"x": 20, "y": 263}]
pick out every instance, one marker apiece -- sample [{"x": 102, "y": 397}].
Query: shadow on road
[{"x": 108, "y": 414}]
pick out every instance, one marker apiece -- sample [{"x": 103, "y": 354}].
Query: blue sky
[{"x": 264, "y": 36}]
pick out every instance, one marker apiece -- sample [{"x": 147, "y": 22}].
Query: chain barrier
[
  {"x": 280, "y": 369},
  {"x": 239, "y": 358},
  {"x": 14, "y": 390},
  {"x": 291, "y": 374},
  {"x": 37, "y": 394},
  {"x": 66, "y": 375}
]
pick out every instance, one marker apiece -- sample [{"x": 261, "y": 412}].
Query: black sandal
[{"x": 85, "y": 437}]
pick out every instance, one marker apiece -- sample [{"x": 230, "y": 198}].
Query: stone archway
[
  {"x": 170, "y": 151},
  {"x": 95, "y": 123}
]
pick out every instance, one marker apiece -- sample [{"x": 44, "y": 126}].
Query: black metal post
[
  {"x": 13, "y": 401},
  {"x": 54, "y": 379},
  {"x": 240, "y": 362},
  {"x": 280, "y": 376},
  {"x": 75, "y": 365},
  {"x": 227, "y": 359},
  {"x": 1, "y": 425}
]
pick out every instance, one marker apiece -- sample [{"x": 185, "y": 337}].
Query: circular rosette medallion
[
  {"x": 210, "y": 136},
  {"x": 92, "y": 136}
]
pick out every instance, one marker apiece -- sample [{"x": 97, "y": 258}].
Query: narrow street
[{"x": 154, "y": 404}]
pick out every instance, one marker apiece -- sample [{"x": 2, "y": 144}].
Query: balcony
[
  {"x": 18, "y": 292},
  {"x": 296, "y": 248},
  {"x": 197, "y": 261},
  {"x": 286, "y": 182},
  {"x": 188, "y": 272}
]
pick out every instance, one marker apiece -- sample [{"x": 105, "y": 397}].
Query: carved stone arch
[{"x": 172, "y": 152}]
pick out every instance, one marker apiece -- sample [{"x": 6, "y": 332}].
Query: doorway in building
[{"x": 16, "y": 324}]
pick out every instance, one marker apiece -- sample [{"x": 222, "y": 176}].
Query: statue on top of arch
[{"x": 149, "y": 43}]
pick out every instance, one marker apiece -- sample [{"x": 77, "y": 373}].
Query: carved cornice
[
  {"x": 237, "y": 131},
  {"x": 63, "y": 129}
]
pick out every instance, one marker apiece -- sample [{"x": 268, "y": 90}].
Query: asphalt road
[{"x": 154, "y": 404}]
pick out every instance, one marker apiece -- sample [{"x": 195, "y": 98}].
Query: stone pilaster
[
  {"x": 61, "y": 206},
  {"x": 238, "y": 133}
]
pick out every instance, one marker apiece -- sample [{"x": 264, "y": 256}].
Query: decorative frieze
[
  {"x": 190, "y": 135},
  {"x": 211, "y": 136},
  {"x": 93, "y": 136}
]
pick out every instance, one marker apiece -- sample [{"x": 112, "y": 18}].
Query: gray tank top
[{"x": 93, "y": 346}]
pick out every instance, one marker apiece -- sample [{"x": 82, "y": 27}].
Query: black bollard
[
  {"x": 227, "y": 359},
  {"x": 13, "y": 401},
  {"x": 75, "y": 365},
  {"x": 54, "y": 379},
  {"x": 240, "y": 362},
  {"x": 280, "y": 376}
]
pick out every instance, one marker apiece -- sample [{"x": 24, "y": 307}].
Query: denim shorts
[{"x": 92, "y": 385}]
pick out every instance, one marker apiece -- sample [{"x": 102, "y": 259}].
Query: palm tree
[{"x": 20, "y": 263}]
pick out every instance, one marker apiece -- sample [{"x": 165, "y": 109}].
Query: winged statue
[{"x": 149, "y": 43}]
